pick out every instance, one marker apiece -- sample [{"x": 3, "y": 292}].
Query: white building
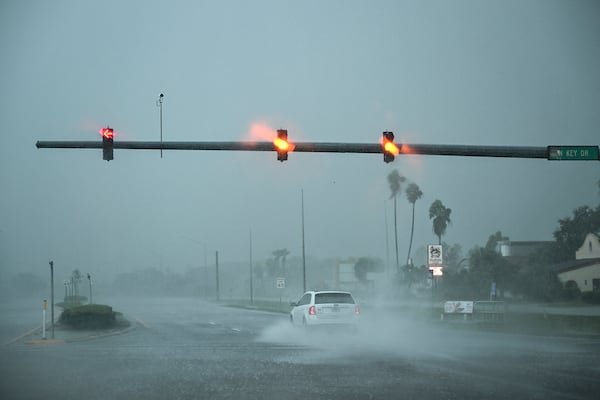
[{"x": 585, "y": 270}]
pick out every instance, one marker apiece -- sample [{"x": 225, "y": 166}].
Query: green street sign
[{"x": 573, "y": 153}]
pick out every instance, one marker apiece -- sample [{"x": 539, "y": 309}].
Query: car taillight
[
  {"x": 312, "y": 310},
  {"x": 357, "y": 310}
]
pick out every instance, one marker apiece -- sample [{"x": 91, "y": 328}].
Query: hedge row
[{"x": 91, "y": 316}]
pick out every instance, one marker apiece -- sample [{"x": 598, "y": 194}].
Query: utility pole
[
  {"x": 251, "y": 272},
  {"x": 52, "y": 295},
  {"x": 217, "y": 273},
  {"x": 387, "y": 242},
  {"x": 303, "y": 246}
]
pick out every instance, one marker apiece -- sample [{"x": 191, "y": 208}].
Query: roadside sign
[
  {"x": 458, "y": 307},
  {"x": 280, "y": 283},
  {"x": 573, "y": 153},
  {"x": 434, "y": 254},
  {"x": 437, "y": 270}
]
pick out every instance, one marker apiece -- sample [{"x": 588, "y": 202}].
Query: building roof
[{"x": 575, "y": 264}]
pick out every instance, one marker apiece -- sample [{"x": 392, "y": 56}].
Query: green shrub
[
  {"x": 591, "y": 297},
  {"x": 571, "y": 291},
  {"x": 91, "y": 316}
]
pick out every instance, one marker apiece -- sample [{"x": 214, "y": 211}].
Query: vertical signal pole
[{"x": 159, "y": 104}]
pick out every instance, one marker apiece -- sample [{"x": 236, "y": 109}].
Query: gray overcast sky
[{"x": 448, "y": 72}]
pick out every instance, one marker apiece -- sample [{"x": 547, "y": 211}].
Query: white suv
[{"x": 325, "y": 308}]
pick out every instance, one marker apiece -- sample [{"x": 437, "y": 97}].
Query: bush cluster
[
  {"x": 591, "y": 297},
  {"x": 91, "y": 316}
]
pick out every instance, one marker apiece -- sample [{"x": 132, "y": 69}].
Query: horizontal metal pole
[
  {"x": 316, "y": 147},
  {"x": 243, "y": 146},
  {"x": 324, "y": 147},
  {"x": 230, "y": 146},
  {"x": 476, "y": 151}
]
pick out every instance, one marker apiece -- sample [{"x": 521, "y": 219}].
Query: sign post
[
  {"x": 44, "y": 320},
  {"x": 280, "y": 284},
  {"x": 434, "y": 263},
  {"x": 434, "y": 254},
  {"x": 435, "y": 259}
]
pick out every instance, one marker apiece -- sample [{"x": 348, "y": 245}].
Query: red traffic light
[
  {"x": 107, "y": 143},
  {"x": 107, "y": 133}
]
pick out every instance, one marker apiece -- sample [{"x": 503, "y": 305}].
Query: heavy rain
[{"x": 376, "y": 200}]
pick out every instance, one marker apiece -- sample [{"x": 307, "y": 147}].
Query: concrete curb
[
  {"x": 75, "y": 336},
  {"x": 44, "y": 341},
  {"x": 99, "y": 335}
]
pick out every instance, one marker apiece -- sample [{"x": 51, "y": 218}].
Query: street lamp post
[
  {"x": 159, "y": 103},
  {"x": 90, "y": 281}
]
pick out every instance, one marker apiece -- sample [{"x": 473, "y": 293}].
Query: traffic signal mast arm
[{"x": 315, "y": 147}]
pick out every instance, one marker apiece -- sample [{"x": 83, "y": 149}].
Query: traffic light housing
[
  {"x": 390, "y": 150},
  {"x": 281, "y": 144},
  {"x": 107, "y": 143}
]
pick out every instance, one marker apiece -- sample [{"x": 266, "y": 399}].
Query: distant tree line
[{"x": 534, "y": 278}]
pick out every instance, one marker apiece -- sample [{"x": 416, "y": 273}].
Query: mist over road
[{"x": 190, "y": 349}]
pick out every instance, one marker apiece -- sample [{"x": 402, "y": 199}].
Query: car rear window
[{"x": 324, "y": 298}]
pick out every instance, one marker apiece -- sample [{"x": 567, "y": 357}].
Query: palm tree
[
  {"x": 395, "y": 179},
  {"x": 441, "y": 218},
  {"x": 281, "y": 254},
  {"x": 413, "y": 193}
]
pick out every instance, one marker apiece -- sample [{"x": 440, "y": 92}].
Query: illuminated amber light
[
  {"x": 390, "y": 147},
  {"x": 281, "y": 144}
]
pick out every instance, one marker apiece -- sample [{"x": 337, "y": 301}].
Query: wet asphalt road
[{"x": 189, "y": 349}]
